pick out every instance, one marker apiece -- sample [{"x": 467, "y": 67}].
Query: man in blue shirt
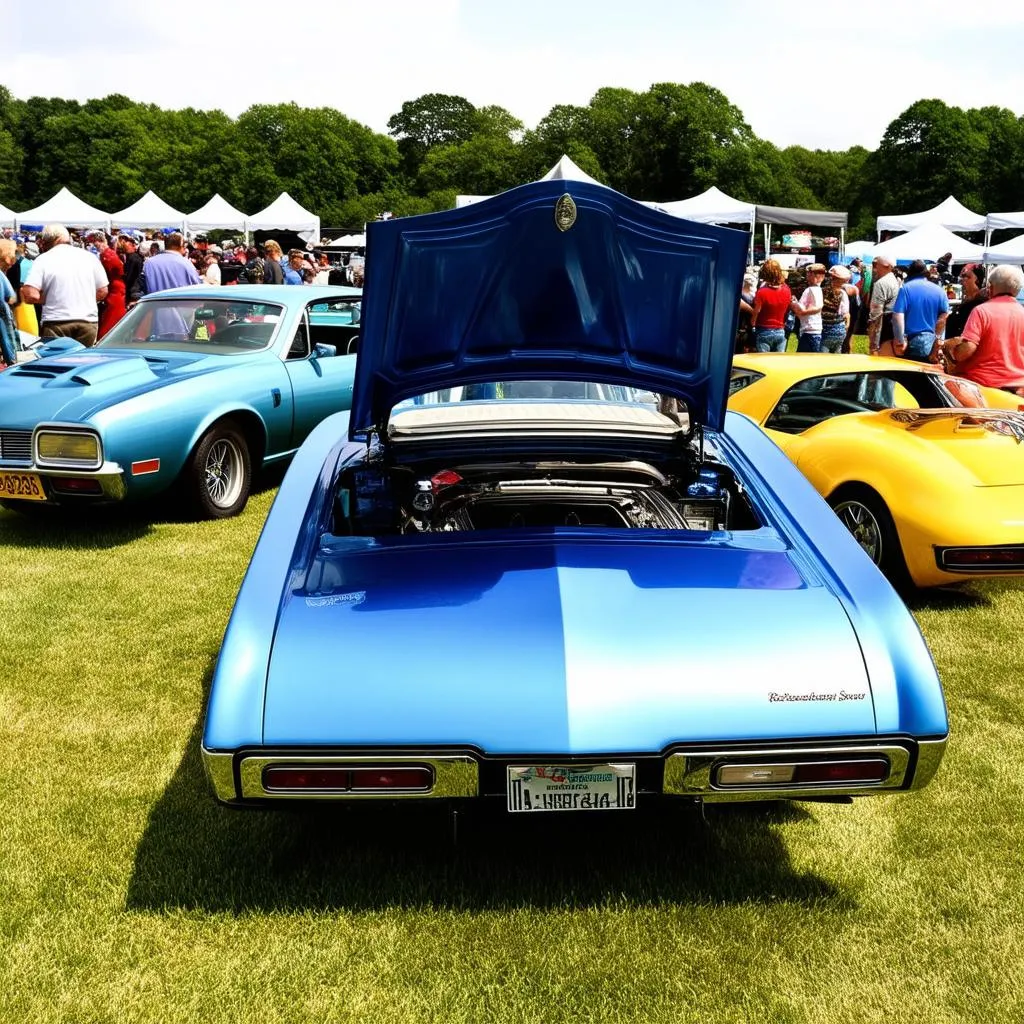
[
  {"x": 919, "y": 316},
  {"x": 293, "y": 269}
]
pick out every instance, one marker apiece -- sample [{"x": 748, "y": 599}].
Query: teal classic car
[{"x": 195, "y": 389}]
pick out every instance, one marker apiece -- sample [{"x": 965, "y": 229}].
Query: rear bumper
[{"x": 237, "y": 777}]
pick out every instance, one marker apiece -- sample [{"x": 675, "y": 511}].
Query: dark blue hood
[{"x": 506, "y": 290}]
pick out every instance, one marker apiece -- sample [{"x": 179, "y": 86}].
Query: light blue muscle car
[
  {"x": 195, "y": 388},
  {"x": 539, "y": 563}
]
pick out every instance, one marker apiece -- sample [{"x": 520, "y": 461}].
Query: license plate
[
  {"x": 596, "y": 787},
  {"x": 23, "y": 486}
]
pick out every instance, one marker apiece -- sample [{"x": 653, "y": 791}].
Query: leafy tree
[{"x": 435, "y": 119}]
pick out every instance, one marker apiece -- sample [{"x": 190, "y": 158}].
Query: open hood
[{"x": 555, "y": 280}]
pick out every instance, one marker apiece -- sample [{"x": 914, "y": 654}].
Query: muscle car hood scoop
[
  {"x": 86, "y": 369},
  {"x": 555, "y": 280}
]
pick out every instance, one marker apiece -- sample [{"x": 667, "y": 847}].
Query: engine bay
[{"x": 678, "y": 493}]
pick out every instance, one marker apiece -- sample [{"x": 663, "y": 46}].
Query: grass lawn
[{"x": 129, "y": 895}]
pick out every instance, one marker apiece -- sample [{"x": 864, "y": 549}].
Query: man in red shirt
[{"x": 990, "y": 351}]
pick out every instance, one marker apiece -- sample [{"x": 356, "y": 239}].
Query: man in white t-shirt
[
  {"x": 68, "y": 282},
  {"x": 808, "y": 309}
]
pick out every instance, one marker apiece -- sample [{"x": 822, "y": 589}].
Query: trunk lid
[{"x": 561, "y": 646}]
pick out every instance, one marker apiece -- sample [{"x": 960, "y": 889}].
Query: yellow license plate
[{"x": 23, "y": 486}]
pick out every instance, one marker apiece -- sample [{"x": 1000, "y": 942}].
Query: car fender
[
  {"x": 908, "y": 697},
  {"x": 234, "y": 714}
]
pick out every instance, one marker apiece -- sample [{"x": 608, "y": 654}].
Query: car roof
[{"x": 281, "y": 294}]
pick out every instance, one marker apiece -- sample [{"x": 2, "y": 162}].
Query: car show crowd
[
  {"x": 60, "y": 283},
  {"x": 975, "y": 330}
]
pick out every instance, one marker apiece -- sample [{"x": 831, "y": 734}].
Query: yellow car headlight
[{"x": 68, "y": 449}]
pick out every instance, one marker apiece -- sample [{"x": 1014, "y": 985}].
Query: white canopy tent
[
  {"x": 950, "y": 214},
  {"x": 565, "y": 170},
  {"x": 285, "y": 214},
  {"x": 995, "y": 221},
  {"x": 568, "y": 170},
  {"x": 7, "y": 217},
  {"x": 149, "y": 212},
  {"x": 928, "y": 242},
  {"x": 1010, "y": 251},
  {"x": 713, "y": 206},
  {"x": 67, "y": 209},
  {"x": 217, "y": 214},
  {"x": 349, "y": 242},
  {"x": 860, "y": 249}
]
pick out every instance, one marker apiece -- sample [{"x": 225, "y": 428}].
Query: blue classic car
[
  {"x": 195, "y": 387},
  {"x": 539, "y": 562}
]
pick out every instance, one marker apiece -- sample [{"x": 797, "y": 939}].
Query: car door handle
[{"x": 275, "y": 393}]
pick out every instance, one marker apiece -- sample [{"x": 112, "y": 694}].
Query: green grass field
[{"x": 129, "y": 895}]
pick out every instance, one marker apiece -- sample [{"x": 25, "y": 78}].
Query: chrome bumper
[
  {"x": 455, "y": 775},
  {"x": 110, "y": 477},
  {"x": 692, "y": 773}
]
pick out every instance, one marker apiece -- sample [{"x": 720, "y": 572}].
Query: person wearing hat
[
  {"x": 884, "y": 289},
  {"x": 807, "y": 309},
  {"x": 835, "y": 310}
]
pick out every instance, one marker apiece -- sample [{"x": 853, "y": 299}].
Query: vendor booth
[
  {"x": 149, "y": 212},
  {"x": 216, "y": 215},
  {"x": 950, "y": 214},
  {"x": 285, "y": 214},
  {"x": 928, "y": 242},
  {"x": 64, "y": 208},
  {"x": 784, "y": 215}
]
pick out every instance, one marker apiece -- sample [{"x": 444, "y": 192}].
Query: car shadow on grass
[
  {"x": 107, "y": 526},
  {"x": 195, "y": 854},
  {"x": 947, "y": 599}
]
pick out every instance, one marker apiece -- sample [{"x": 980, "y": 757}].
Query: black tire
[
  {"x": 870, "y": 522},
  {"x": 218, "y": 475}
]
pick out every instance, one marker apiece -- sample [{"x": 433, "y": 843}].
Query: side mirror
[{"x": 322, "y": 351}]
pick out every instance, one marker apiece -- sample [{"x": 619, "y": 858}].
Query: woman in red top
[
  {"x": 113, "y": 306},
  {"x": 770, "y": 305}
]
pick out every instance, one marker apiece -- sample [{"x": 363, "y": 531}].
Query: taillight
[
  {"x": 811, "y": 773},
  {"x": 345, "y": 779},
  {"x": 1009, "y": 557}
]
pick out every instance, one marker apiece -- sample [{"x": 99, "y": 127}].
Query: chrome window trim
[
  {"x": 66, "y": 428},
  {"x": 455, "y": 775},
  {"x": 691, "y": 772}
]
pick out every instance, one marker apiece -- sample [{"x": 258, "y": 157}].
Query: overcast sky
[{"x": 819, "y": 75}]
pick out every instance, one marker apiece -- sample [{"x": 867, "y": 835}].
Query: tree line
[{"x": 667, "y": 143}]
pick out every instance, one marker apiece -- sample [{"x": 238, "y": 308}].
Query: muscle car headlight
[{"x": 78, "y": 449}]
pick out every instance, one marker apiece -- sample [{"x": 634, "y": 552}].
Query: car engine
[{"x": 624, "y": 494}]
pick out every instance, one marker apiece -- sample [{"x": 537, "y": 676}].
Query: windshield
[
  {"x": 196, "y": 324},
  {"x": 534, "y": 391}
]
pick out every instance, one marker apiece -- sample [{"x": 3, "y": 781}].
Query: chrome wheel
[
  {"x": 223, "y": 472},
  {"x": 866, "y": 530}
]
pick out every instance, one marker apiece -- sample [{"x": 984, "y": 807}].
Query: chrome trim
[
  {"x": 690, "y": 773},
  {"x": 929, "y": 757},
  {"x": 455, "y": 775},
  {"x": 220, "y": 772},
  {"x": 66, "y": 428},
  {"x": 110, "y": 476},
  {"x": 977, "y": 568}
]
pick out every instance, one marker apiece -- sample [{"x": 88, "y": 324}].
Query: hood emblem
[{"x": 565, "y": 212}]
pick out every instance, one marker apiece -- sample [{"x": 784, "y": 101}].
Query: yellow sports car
[{"x": 925, "y": 469}]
